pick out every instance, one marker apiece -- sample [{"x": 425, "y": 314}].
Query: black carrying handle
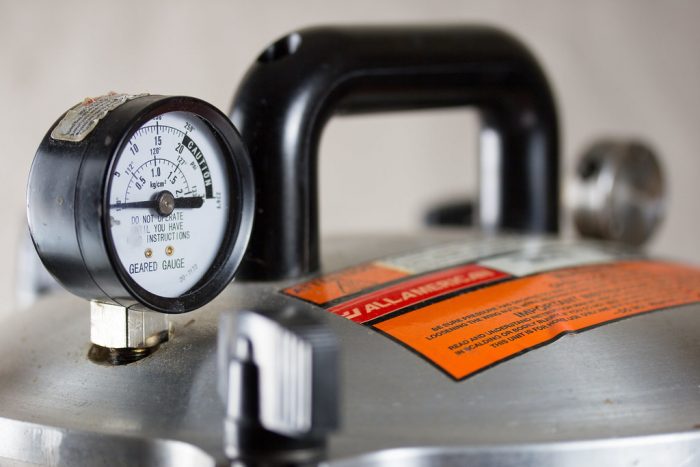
[{"x": 297, "y": 83}]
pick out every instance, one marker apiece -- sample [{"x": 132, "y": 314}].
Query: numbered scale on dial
[
  {"x": 142, "y": 199},
  {"x": 168, "y": 203}
]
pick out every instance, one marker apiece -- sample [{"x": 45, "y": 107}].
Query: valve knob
[{"x": 619, "y": 193}]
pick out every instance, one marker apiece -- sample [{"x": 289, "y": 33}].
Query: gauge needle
[
  {"x": 164, "y": 203},
  {"x": 191, "y": 202}
]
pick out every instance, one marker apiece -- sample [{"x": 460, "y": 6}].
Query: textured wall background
[{"x": 618, "y": 68}]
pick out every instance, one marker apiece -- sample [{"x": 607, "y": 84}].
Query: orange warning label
[
  {"x": 467, "y": 333},
  {"x": 343, "y": 283},
  {"x": 388, "y": 299},
  {"x": 334, "y": 288}
]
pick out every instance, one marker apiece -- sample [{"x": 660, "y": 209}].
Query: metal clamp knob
[
  {"x": 279, "y": 380},
  {"x": 620, "y": 192}
]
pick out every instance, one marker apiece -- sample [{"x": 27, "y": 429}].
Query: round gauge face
[{"x": 169, "y": 203}]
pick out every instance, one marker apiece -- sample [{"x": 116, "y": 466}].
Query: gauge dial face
[{"x": 169, "y": 203}]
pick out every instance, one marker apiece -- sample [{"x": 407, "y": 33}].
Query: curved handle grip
[{"x": 298, "y": 82}]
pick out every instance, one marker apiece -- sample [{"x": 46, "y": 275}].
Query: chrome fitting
[{"x": 135, "y": 327}]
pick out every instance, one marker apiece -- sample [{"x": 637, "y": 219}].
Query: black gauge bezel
[{"x": 84, "y": 258}]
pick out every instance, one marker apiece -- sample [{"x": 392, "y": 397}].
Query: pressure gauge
[{"x": 142, "y": 199}]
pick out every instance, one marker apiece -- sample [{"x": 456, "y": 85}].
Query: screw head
[{"x": 166, "y": 203}]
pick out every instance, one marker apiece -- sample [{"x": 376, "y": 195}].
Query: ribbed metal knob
[{"x": 278, "y": 376}]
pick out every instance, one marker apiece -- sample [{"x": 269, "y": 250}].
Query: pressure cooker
[{"x": 206, "y": 322}]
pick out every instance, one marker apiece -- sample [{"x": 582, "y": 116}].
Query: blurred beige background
[{"x": 625, "y": 68}]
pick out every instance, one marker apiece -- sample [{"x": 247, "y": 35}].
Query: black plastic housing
[
  {"x": 67, "y": 207},
  {"x": 300, "y": 81}
]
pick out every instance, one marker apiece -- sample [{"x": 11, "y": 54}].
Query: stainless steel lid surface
[{"x": 602, "y": 392}]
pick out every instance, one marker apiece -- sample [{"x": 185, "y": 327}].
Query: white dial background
[{"x": 177, "y": 152}]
